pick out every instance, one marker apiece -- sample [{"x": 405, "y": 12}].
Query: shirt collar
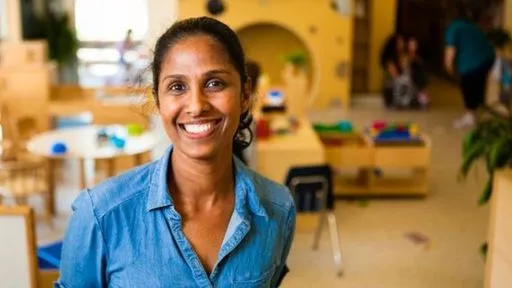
[{"x": 246, "y": 196}]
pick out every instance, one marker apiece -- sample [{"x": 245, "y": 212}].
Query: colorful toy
[
  {"x": 102, "y": 137},
  {"x": 116, "y": 135},
  {"x": 59, "y": 148},
  {"x": 340, "y": 127},
  {"x": 134, "y": 129},
  {"x": 394, "y": 132},
  {"x": 118, "y": 142},
  {"x": 262, "y": 129}
]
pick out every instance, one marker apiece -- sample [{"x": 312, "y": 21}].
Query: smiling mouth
[{"x": 200, "y": 129}]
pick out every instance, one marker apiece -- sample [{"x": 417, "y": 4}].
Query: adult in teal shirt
[{"x": 470, "y": 55}]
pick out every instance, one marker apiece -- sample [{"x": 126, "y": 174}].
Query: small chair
[
  {"x": 22, "y": 175},
  {"x": 312, "y": 189},
  {"x": 21, "y": 263}
]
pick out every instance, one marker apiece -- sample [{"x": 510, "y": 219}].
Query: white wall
[
  {"x": 3, "y": 19},
  {"x": 162, "y": 13},
  {"x": 10, "y": 18}
]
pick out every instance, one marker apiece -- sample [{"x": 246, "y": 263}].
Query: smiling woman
[{"x": 198, "y": 216}]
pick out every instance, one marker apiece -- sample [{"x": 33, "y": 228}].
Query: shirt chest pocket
[{"x": 252, "y": 278}]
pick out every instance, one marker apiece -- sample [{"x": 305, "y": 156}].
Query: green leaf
[
  {"x": 487, "y": 192},
  {"x": 467, "y": 142},
  {"x": 498, "y": 154},
  {"x": 474, "y": 152},
  {"x": 297, "y": 57}
]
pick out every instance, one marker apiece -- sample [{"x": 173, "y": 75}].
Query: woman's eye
[
  {"x": 215, "y": 84},
  {"x": 176, "y": 87}
]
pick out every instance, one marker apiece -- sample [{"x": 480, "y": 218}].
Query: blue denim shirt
[{"x": 126, "y": 232}]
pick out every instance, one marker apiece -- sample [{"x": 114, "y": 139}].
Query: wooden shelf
[
  {"x": 367, "y": 184},
  {"x": 350, "y": 187},
  {"x": 405, "y": 169}
]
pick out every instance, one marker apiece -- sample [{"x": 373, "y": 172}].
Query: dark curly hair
[{"x": 229, "y": 40}]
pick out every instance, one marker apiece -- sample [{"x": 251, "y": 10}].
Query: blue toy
[
  {"x": 59, "y": 148},
  {"x": 118, "y": 142},
  {"x": 345, "y": 126}
]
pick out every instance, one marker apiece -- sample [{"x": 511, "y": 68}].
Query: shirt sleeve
[
  {"x": 83, "y": 262},
  {"x": 450, "y": 37},
  {"x": 290, "y": 229}
]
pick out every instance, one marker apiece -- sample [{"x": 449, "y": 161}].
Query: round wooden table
[{"x": 82, "y": 144}]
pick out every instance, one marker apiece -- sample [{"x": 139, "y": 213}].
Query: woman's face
[
  {"x": 413, "y": 45},
  {"x": 200, "y": 97},
  {"x": 400, "y": 44}
]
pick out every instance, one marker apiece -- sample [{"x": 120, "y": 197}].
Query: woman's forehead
[{"x": 196, "y": 53}]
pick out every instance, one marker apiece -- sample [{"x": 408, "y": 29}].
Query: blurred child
[
  {"x": 418, "y": 74},
  {"x": 502, "y": 69},
  {"x": 409, "y": 85}
]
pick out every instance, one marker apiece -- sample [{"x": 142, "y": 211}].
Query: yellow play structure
[{"x": 271, "y": 29}]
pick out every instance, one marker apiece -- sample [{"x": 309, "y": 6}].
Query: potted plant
[
  {"x": 54, "y": 27},
  {"x": 296, "y": 61},
  {"x": 490, "y": 140}
]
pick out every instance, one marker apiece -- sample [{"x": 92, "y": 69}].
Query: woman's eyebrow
[
  {"x": 174, "y": 76},
  {"x": 217, "y": 71},
  {"x": 207, "y": 74}
]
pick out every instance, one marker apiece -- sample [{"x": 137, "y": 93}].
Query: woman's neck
[{"x": 200, "y": 184}]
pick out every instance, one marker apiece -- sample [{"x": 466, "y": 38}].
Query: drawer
[
  {"x": 402, "y": 157},
  {"x": 14, "y": 85},
  {"x": 349, "y": 156},
  {"x": 15, "y": 54}
]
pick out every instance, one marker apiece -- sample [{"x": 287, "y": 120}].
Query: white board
[{"x": 14, "y": 258}]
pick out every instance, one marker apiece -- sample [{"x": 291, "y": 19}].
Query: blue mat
[{"x": 48, "y": 256}]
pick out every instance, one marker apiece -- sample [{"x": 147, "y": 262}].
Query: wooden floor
[{"x": 444, "y": 94}]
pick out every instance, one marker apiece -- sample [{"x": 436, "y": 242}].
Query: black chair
[{"x": 312, "y": 189}]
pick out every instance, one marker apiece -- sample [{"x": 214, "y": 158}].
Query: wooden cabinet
[
  {"x": 15, "y": 54},
  {"x": 499, "y": 262},
  {"x": 25, "y": 82},
  {"x": 380, "y": 170},
  {"x": 25, "y": 93}
]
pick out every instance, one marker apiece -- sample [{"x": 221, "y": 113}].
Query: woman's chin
[{"x": 199, "y": 152}]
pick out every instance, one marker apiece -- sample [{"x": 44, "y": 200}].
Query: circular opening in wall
[{"x": 272, "y": 47}]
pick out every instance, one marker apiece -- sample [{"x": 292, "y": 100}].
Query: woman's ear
[{"x": 246, "y": 102}]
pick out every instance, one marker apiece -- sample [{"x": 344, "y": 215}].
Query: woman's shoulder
[
  {"x": 115, "y": 191},
  {"x": 271, "y": 192}
]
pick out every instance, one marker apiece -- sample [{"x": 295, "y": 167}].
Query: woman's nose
[{"x": 197, "y": 103}]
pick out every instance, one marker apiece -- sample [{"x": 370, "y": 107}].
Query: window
[
  {"x": 101, "y": 26},
  {"x": 108, "y": 20}
]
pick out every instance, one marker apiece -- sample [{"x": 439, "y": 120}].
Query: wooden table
[
  {"x": 81, "y": 145},
  {"x": 276, "y": 155}
]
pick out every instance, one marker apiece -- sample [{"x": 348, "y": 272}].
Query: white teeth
[{"x": 198, "y": 128}]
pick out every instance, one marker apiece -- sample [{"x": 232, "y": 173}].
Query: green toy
[
  {"x": 134, "y": 129},
  {"x": 343, "y": 127}
]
